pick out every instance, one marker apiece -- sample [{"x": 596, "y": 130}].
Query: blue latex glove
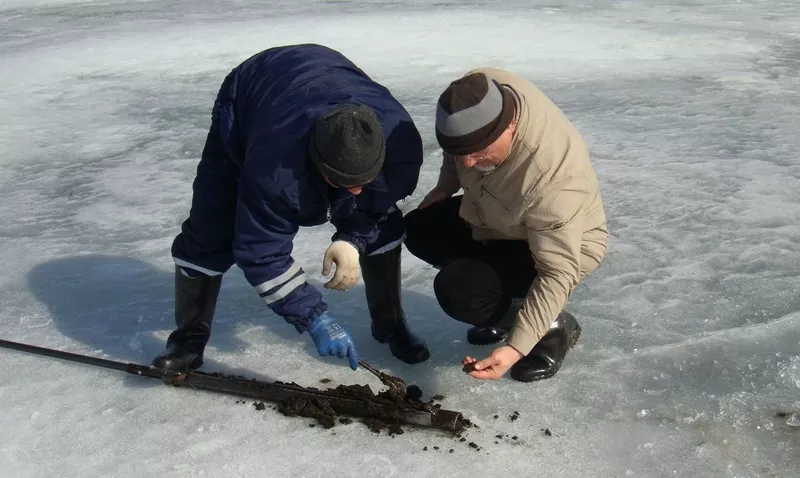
[{"x": 332, "y": 339}]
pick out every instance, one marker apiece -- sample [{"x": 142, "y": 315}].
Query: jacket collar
[
  {"x": 522, "y": 117},
  {"x": 517, "y": 152}
]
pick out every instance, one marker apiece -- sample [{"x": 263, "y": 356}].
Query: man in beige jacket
[{"x": 528, "y": 228}]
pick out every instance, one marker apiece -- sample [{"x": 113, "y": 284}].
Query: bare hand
[
  {"x": 435, "y": 195},
  {"x": 494, "y": 366}
]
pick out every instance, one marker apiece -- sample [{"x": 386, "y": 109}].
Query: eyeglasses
[{"x": 478, "y": 155}]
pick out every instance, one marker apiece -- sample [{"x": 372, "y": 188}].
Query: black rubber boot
[
  {"x": 497, "y": 332},
  {"x": 381, "y": 275},
  {"x": 546, "y": 357},
  {"x": 195, "y": 302}
]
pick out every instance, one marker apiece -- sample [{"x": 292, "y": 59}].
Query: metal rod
[
  {"x": 389, "y": 380},
  {"x": 424, "y": 415},
  {"x": 64, "y": 355},
  {"x": 277, "y": 392},
  {"x": 419, "y": 414}
]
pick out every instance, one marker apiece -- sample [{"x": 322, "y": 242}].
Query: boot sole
[{"x": 555, "y": 369}]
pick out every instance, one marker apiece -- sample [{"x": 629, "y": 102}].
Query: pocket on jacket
[{"x": 495, "y": 210}]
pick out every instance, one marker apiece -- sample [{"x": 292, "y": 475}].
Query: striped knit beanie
[{"x": 471, "y": 114}]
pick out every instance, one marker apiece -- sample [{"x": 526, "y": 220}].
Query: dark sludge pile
[
  {"x": 386, "y": 410},
  {"x": 392, "y": 405}
]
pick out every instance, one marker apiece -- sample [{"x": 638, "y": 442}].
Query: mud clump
[
  {"x": 413, "y": 392},
  {"x": 386, "y": 410},
  {"x": 386, "y": 397},
  {"x": 376, "y": 426},
  {"x": 388, "y": 405},
  {"x": 317, "y": 408}
]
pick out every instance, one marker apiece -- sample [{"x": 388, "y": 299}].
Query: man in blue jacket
[{"x": 299, "y": 136}]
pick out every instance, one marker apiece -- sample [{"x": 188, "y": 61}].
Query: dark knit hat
[
  {"x": 347, "y": 145},
  {"x": 471, "y": 114}
]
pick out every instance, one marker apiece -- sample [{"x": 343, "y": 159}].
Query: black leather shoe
[
  {"x": 545, "y": 359},
  {"x": 486, "y": 335},
  {"x": 381, "y": 275},
  {"x": 195, "y": 303},
  {"x": 498, "y": 332}
]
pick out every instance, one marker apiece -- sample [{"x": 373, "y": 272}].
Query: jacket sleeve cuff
[
  {"x": 301, "y": 324},
  {"x": 522, "y": 339},
  {"x": 534, "y": 318},
  {"x": 352, "y": 239}
]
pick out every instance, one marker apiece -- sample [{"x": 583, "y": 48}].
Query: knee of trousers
[
  {"x": 196, "y": 259},
  {"x": 470, "y": 291}
]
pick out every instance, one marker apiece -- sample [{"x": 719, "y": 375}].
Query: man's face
[
  {"x": 354, "y": 190},
  {"x": 490, "y": 157}
]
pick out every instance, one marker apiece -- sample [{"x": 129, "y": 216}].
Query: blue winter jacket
[{"x": 265, "y": 110}]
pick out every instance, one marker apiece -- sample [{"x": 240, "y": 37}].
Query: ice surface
[{"x": 688, "y": 364}]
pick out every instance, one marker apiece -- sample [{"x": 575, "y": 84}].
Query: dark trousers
[{"x": 476, "y": 280}]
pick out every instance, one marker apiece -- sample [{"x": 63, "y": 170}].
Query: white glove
[{"x": 348, "y": 271}]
